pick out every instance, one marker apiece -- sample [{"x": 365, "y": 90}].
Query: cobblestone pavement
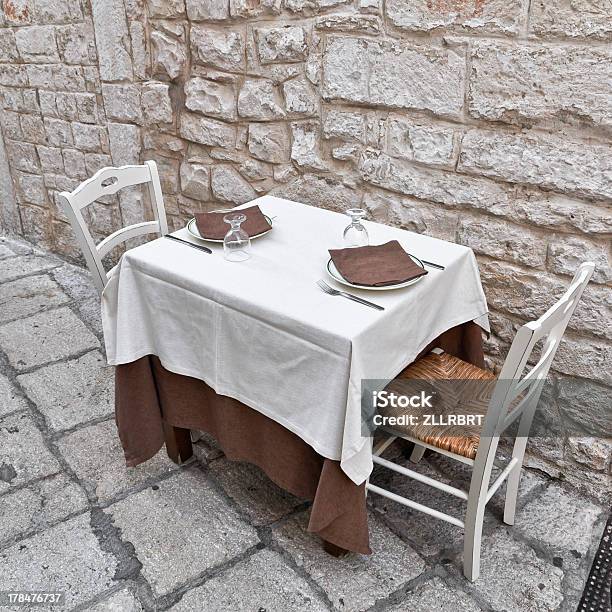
[{"x": 216, "y": 535}]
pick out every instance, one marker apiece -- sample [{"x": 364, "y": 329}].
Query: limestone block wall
[{"x": 486, "y": 122}]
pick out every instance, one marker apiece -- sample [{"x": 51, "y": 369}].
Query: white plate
[
  {"x": 333, "y": 272},
  {"x": 192, "y": 228}
]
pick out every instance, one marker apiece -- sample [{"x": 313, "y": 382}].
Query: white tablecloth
[{"x": 263, "y": 333}]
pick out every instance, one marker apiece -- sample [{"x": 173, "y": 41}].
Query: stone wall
[{"x": 486, "y": 122}]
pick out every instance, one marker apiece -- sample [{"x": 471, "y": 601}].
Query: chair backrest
[
  {"x": 517, "y": 391},
  {"x": 109, "y": 181}
]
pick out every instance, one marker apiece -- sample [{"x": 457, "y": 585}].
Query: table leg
[
  {"x": 333, "y": 550},
  {"x": 178, "y": 443}
]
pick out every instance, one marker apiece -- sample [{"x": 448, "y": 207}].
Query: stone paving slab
[
  {"x": 5, "y": 251},
  {"x": 529, "y": 484},
  {"x": 10, "y": 399},
  {"x": 29, "y": 295},
  {"x": 45, "y": 337},
  {"x": 91, "y": 315},
  {"x": 23, "y": 454},
  {"x": 38, "y": 505},
  {"x": 567, "y": 527},
  {"x": 354, "y": 582},
  {"x": 96, "y": 456},
  {"x": 122, "y": 601},
  {"x": 72, "y": 392},
  {"x": 560, "y": 520},
  {"x": 26, "y": 265},
  {"x": 180, "y": 528},
  {"x": 513, "y": 577},
  {"x": 435, "y": 595},
  {"x": 253, "y": 491},
  {"x": 262, "y": 582},
  {"x": 77, "y": 283},
  {"x": 18, "y": 246},
  {"x": 66, "y": 558}
]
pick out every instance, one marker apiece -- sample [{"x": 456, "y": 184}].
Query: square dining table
[{"x": 257, "y": 355}]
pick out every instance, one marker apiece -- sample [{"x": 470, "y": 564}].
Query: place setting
[
  {"x": 233, "y": 228},
  {"x": 361, "y": 265}
]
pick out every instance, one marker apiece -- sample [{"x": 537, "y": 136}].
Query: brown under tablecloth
[{"x": 147, "y": 394}]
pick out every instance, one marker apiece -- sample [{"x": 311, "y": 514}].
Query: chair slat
[
  {"x": 415, "y": 505},
  {"x": 125, "y": 233},
  {"x": 517, "y": 410},
  {"x": 432, "y": 482},
  {"x": 108, "y": 181},
  {"x": 500, "y": 479}
]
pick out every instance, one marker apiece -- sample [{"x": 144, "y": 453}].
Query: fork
[{"x": 331, "y": 291}]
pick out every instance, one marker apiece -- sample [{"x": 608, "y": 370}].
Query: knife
[
  {"x": 433, "y": 265},
  {"x": 195, "y": 246}
]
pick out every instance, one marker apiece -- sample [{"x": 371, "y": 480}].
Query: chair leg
[
  {"x": 512, "y": 484},
  {"x": 472, "y": 539},
  {"x": 477, "y": 502},
  {"x": 518, "y": 453},
  {"x": 417, "y": 453}
]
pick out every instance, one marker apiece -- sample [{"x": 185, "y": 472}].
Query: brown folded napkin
[
  {"x": 376, "y": 266},
  {"x": 211, "y": 225}
]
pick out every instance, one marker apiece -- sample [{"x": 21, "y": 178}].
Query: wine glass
[
  {"x": 355, "y": 234},
  {"x": 236, "y": 244}
]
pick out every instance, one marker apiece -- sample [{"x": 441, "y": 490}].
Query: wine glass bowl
[
  {"x": 355, "y": 234},
  {"x": 236, "y": 244}
]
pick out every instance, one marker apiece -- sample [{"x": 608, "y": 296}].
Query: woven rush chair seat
[{"x": 460, "y": 389}]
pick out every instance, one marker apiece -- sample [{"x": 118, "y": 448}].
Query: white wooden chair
[
  {"x": 109, "y": 181},
  {"x": 515, "y": 396}
]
